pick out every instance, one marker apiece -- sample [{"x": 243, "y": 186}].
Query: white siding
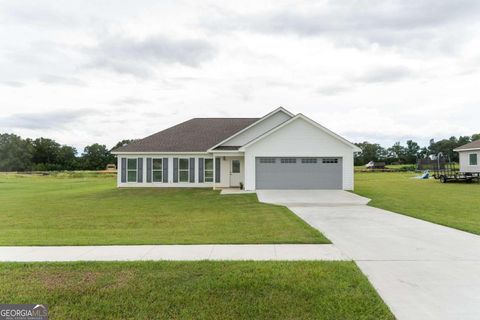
[
  {"x": 299, "y": 139},
  {"x": 224, "y": 174},
  {"x": 465, "y": 161},
  {"x": 170, "y": 183},
  {"x": 258, "y": 129}
]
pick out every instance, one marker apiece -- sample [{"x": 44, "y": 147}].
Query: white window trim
[
  {"x": 205, "y": 170},
  {"x": 161, "y": 170},
  {"x": 136, "y": 170},
  {"x": 266, "y": 160},
  {"x": 470, "y": 159},
  {"x": 288, "y": 160},
  {"x": 330, "y": 160},
  {"x": 188, "y": 170},
  {"x": 239, "y": 165},
  {"x": 309, "y": 161}
]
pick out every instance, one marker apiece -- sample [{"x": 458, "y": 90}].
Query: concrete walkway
[
  {"x": 421, "y": 270},
  {"x": 311, "y": 198},
  {"x": 173, "y": 252}
]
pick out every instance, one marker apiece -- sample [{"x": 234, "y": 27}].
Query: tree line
[
  {"x": 43, "y": 154},
  {"x": 411, "y": 151}
]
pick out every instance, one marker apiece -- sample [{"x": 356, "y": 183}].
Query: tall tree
[
  {"x": 15, "y": 153},
  {"x": 412, "y": 152},
  {"x": 463, "y": 140},
  {"x": 67, "y": 158},
  {"x": 123, "y": 143},
  {"x": 446, "y": 147},
  {"x": 370, "y": 152},
  {"x": 45, "y": 151},
  {"x": 396, "y": 152},
  {"x": 96, "y": 157}
]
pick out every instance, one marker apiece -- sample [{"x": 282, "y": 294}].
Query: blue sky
[{"x": 101, "y": 71}]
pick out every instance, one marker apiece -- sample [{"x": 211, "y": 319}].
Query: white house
[
  {"x": 469, "y": 156},
  {"x": 278, "y": 151}
]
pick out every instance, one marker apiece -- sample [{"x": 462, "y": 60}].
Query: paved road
[
  {"x": 173, "y": 252},
  {"x": 422, "y": 270}
]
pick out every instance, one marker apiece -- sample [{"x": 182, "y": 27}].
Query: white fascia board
[
  {"x": 225, "y": 151},
  {"x": 279, "y": 109},
  {"x": 470, "y": 149},
  {"x": 229, "y": 154},
  {"x": 317, "y": 125},
  {"x": 158, "y": 152}
]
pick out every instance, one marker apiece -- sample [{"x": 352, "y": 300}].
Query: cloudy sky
[{"x": 101, "y": 71}]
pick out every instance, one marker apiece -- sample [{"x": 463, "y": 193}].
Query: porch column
[{"x": 214, "y": 172}]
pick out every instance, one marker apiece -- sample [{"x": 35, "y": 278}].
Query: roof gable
[
  {"x": 310, "y": 121},
  {"x": 195, "y": 135},
  {"x": 228, "y": 141}
]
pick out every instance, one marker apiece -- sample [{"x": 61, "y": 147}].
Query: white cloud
[
  {"x": 139, "y": 57},
  {"x": 89, "y": 71},
  {"x": 59, "y": 119}
]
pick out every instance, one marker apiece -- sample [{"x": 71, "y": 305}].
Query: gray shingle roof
[
  {"x": 195, "y": 135},
  {"x": 472, "y": 145}
]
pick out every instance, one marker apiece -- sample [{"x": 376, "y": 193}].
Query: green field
[
  {"x": 456, "y": 205},
  {"x": 194, "y": 290},
  {"x": 87, "y": 209}
]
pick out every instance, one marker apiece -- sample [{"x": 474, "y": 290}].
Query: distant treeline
[
  {"x": 43, "y": 154},
  {"x": 409, "y": 153}
]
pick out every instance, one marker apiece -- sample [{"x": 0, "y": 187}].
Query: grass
[
  {"x": 78, "y": 209},
  {"x": 455, "y": 205},
  {"x": 194, "y": 290}
]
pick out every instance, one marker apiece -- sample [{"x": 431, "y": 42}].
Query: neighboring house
[
  {"x": 278, "y": 151},
  {"x": 469, "y": 156}
]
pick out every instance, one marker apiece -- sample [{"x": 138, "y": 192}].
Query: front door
[{"x": 235, "y": 173}]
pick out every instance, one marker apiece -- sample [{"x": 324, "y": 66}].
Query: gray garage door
[{"x": 298, "y": 173}]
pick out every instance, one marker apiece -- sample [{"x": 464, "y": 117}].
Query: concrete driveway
[{"x": 422, "y": 270}]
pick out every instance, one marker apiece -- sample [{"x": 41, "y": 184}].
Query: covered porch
[{"x": 231, "y": 171}]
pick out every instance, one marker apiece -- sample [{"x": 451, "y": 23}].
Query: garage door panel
[{"x": 298, "y": 175}]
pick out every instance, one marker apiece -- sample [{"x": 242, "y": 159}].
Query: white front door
[{"x": 235, "y": 173}]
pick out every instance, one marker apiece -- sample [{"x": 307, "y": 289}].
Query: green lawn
[
  {"x": 194, "y": 290},
  {"x": 83, "y": 209},
  {"x": 456, "y": 205}
]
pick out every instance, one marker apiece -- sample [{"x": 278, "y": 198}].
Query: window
[
  {"x": 329, "y": 160},
  {"x": 183, "y": 170},
  {"x": 208, "y": 170},
  {"x": 288, "y": 160},
  {"x": 267, "y": 160},
  {"x": 132, "y": 170},
  {"x": 309, "y": 160},
  {"x": 473, "y": 159},
  {"x": 235, "y": 166},
  {"x": 157, "y": 170}
]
